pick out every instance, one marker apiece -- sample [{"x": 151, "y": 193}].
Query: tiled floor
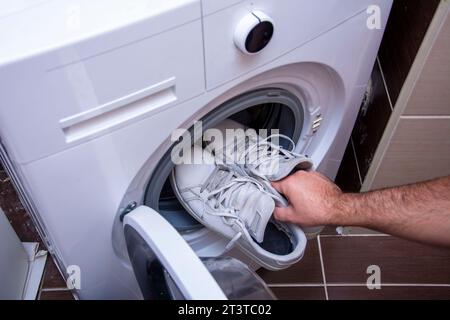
[{"x": 407, "y": 270}]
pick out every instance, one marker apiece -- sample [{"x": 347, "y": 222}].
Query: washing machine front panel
[{"x": 296, "y": 22}]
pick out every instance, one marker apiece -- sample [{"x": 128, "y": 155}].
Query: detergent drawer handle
[{"x": 134, "y": 106}]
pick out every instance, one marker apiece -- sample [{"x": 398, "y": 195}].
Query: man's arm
[{"x": 418, "y": 212}]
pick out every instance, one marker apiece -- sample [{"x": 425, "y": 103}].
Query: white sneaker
[
  {"x": 258, "y": 156},
  {"x": 237, "y": 207}
]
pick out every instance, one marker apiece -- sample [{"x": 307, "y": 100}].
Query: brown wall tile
[
  {"x": 371, "y": 122},
  {"x": 406, "y": 28},
  {"x": 348, "y": 178},
  {"x": 419, "y": 150},
  {"x": 431, "y": 93}
]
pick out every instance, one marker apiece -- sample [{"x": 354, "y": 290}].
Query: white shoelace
[
  {"x": 259, "y": 153},
  {"x": 221, "y": 186}
]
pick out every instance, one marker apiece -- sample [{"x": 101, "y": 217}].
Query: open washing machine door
[{"x": 166, "y": 267}]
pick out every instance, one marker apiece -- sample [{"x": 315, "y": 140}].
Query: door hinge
[{"x": 130, "y": 207}]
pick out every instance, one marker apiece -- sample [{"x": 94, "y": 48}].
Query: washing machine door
[
  {"x": 158, "y": 252},
  {"x": 166, "y": 267}
]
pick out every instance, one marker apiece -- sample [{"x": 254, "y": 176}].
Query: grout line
[
  {"x": 296, "y": 285},
  {"x": 323, "y": 268},
  {"x": 54, "y": 289},
  {"x": 354, "y": 235},
  {"x": 356, "y": 160},
  {"x": 318, "y": 285},
  {"x": 390, "y": 285},
  {"x": 425, "y": 117},
  {"x": 385, "y": 84}
]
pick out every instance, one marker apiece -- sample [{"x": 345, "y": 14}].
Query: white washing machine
[{"x": 90, "y": 92}]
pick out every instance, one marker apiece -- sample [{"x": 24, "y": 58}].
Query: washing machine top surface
[{"x": 29, "y": 27}]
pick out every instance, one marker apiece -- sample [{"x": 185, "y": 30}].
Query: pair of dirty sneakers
[{"x": 230, "y": 192}]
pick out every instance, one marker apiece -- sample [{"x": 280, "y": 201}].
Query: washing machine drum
[{"x": 167, "y": 268}]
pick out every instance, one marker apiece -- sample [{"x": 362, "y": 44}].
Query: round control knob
[{"x": 253, "y": 32}]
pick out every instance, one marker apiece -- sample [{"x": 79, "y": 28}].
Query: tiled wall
[
  {"x": 368, "y": 130},
  {"x": 406, "y": 28},
  {"x": 416, "y": 146}
]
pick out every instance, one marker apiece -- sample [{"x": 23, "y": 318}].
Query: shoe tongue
[
  {"x": 287, "y": 166},
  {"x": 255, "y": 210}
]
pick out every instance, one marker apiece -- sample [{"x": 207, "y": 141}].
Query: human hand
[{"x": 313, "y": 199}]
